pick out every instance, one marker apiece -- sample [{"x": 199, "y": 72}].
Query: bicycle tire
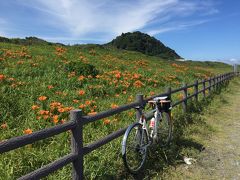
[
  {"x": 164, "y": 130},
  {"x": 134, "y": 148}
]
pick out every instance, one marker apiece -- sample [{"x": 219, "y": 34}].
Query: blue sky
[{"x": 196, "y": 29}]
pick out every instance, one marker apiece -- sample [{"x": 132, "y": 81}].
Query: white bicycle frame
[
  {"x": 153, "y": 133},
  {"x": 157, "y": 117}
]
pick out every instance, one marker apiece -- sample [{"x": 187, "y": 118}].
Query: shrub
[{"x": 81, "y": 68}]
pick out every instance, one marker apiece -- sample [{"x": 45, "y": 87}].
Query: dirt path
[{"x": 221, "y": 157}]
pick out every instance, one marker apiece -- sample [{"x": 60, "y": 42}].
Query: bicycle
[{"x": 138, "y": 137}]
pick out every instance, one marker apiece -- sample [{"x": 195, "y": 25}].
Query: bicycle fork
[{"x": 153, "y": 130}]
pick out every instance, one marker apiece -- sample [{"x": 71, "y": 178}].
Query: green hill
[
  {"x": 145, "y": 44},
  {"x": 27, "y": 41},
  {"x": 41, "y": 83}
]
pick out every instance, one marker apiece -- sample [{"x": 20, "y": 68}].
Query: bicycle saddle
[{"x": 160, "y": 98}]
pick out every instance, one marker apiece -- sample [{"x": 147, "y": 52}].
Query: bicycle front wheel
[
  {"x": 134, "y": 148},
  {"x": 164, "y": 130}
]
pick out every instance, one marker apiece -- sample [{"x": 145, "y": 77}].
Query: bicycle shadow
[{"x": 160, "y": 158}]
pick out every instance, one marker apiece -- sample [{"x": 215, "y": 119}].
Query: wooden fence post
[
  {"x": 214, "y": 82},
  {"x": 225, "y": 79},
  {"x": 217, "y": 81},
  {"x": 228, "y": 78},
  {"x": 196, "y": 90},
  {"x": 139, "y": 99},
  {"x": 184, "y": 103},
  {"x": 204, "y": 88},
  {"x": 210, "y": 83},
  {"x": 220, "y": 81},
  {"x": 77, "y": 144},
  {"x": 168, "y": 91}
]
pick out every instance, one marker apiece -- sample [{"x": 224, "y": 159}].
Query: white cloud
[
  {"x": 234, "y": 61},
  {"x": 173, "y": 26},
  {"x": 107, "y": 18},
  {"x": 231, "y": 61},
  {"x": 83, "y": 17}
]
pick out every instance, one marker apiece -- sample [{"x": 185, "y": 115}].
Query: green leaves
[{"x": 81, "y": 68}]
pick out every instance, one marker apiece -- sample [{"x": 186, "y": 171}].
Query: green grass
[
  {"x": 203, "y": 136},
  {"x": 27, "y": 73}
]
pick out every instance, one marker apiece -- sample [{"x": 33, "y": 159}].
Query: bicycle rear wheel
[
  {"x": 134, "y": 148},
  {"x": 164, "y": 130}
]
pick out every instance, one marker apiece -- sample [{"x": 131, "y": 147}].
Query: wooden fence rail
[{"x": 77, "y": 121}]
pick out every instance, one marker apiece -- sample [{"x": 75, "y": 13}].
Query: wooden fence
[{"x": 77, "y": 121}]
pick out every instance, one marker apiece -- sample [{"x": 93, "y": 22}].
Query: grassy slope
[{"x": 30, "y": 72}]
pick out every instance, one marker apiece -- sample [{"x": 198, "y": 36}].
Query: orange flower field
[{"x": 41, "y": 84}]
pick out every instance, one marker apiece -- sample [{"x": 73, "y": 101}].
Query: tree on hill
[
  {"x": 27, "y": 41},
  {"x": 143, "y": 43}
]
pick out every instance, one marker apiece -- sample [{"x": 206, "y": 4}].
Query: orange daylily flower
[
  {"x": 55, "y": 119},
  {"x": 42, "y": 98},
  {"x": 152, "y": 93},
  {"x": 45, "y": 117},
  {"x": 76, "y": 101},
  {"x": 87, "y": 102},
  {"x": 50, "y": 87},
  {"x": 27, "y": 131},
  {"x": 114, "y": 106},
  {"x": 55, "y": 104},
  {"x": 106, "y": 121},
  {"x": 43, "y": 112},
  {"x": 81, "y": 106},
  {"x": 67, "y": 109},
  {"x": 81, "y": 92},
  {"x": 138, "y": 84},
  {"x": 35, "y": 107},
  {"x": 118, "y": 75},
  {"x": 2, "y": 77},
  {"x": 61, "y": 110},
  {"x": 4, "y": 126},
  {"x": 80, "y": 78},
  {"x": 136, "y": 76}
]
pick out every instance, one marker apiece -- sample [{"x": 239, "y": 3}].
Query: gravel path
[{"x": 221, "y": 157}]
